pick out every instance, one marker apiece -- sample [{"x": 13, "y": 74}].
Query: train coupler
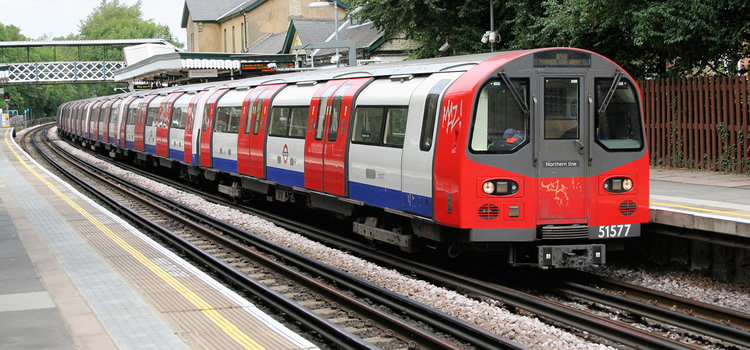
[{"x": 567, "y": 256}]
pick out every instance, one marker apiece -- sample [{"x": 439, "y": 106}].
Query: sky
[{"x": 58, "y": 18}]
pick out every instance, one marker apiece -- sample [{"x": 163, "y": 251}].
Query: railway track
[
  {"x": 322, "y": 300},
  {"x": 556, "y": 313}
]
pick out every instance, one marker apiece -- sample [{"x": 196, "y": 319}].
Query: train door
[
  {"x": 140, "y": 123},
  {"x": 561, "y": 149},
  {"x": 207, "y": 128},
  {"x": 249, "y": 107},
  {"x": 327, "y": 135},
  {"x": 188, "y": 141},
  {"x": 162, "y": 125},
  {"x": 256, "y": 128}
]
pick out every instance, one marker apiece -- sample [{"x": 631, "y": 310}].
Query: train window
[
  {"x": 113, "y": 111},
  {"x": 430, "y": 115},
  {"x": 322, "y": 111},
  {"x": 228, "y": 119},
  {"x": 333, "y": 127},
  {"x": 132, "y": 111},
  {"x": 206, "y": 110},
  {"x": 368, "y": 124},
  {"x": 561, "y": 108},
  {"x": 179, "y": 116},
  {"x": 500, "y": 124},
  {"x": 395, "y": 126},
  {"x": 259, "y": 113},
  {"x": 152, "y": 116},
  {"x": 288, "y": 121},
  {"x": 618, "y": 124}
]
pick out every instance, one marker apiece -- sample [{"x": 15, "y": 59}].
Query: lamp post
[
  {"x": 492, "y": 36},
  {"x": 335, "y": 20}
]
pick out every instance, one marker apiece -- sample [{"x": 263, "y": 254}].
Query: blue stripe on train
[
  {"x": 388, "y": 198},
  {"x": 225, "y": 165},
  {"x": 286, "y": 177},
  {"x": 150, "y": 149},
  {"x": 177, "y": 155}
]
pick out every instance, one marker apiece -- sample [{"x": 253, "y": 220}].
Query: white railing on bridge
[{"x": 59, "y": 72}]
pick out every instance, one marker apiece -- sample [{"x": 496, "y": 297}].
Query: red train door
[
  {"x": 162, "y": 127},
  {"x": 327, "y": 135},
  {"x": 258, "y": 131},
  {"x": 188, "y": 150},
  {"x": 249, "y": 105},
  {"x": 140, "y": 123},
  {"x": 207, "y": 129},
  {"x": 561, "y": 150}
]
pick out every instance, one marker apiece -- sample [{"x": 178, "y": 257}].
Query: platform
[
  {"x": 75, "y": 276},
  {"x": 701, "y": 200}
]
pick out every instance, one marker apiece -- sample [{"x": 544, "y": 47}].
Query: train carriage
[{"x": 539, "y": 154}]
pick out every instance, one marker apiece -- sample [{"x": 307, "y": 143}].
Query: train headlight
[
  {"x": 488, "y": 187},
  {"x": 500, "y": 187},
  {"x": 618, "y": 184},
  {"x": 627, "y": 184}
]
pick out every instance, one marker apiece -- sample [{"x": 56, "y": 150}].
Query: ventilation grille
[
  {"x": 489, "y": 212},
  {"x": 627, "y": 208},
  {"x": 565, "y": 232}
]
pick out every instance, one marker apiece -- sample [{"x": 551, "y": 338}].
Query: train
[{"x": 536, "y": 157}]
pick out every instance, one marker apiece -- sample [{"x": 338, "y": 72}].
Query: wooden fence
[{"x": 698, "y": 123}]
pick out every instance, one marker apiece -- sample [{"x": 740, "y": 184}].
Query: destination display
[{"x": 562, "y": 58}]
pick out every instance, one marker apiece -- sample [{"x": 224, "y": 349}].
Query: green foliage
[
  {"x": 650, "y": 39},
  {"x": 110, "y": 20}
]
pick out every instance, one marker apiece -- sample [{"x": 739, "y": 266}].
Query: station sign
[{"x": 264, "y": 66}]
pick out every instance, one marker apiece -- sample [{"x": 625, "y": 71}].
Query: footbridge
[{"x": 79, "y": 71}]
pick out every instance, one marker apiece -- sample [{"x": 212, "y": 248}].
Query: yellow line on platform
[
  {"x": 699, "y": 209},
  {"x": 209, "y": 311}
]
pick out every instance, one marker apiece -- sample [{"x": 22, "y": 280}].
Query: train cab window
[
  {"x": 618, "y": 123},
  {"x": 561, "y": 108},
  {"x": 500, "y": 123},
  {"x": 430, "y": 115},
  {"x": 288, "y": 121},
  {"x": 228, "y": 119}
]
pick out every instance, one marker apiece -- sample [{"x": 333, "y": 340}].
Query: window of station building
[
  {"x": 381, "y": 125},
  {"x": 561, "y": 108},
  {"x": 500, "y": 124},
  {"x": 228, "y": 119},
  {"x": 289, "y": 121},
  {"x": 618, "y": 126},
  {"x": 152, "y": 116},
  {"x": 430, "y": 115}
]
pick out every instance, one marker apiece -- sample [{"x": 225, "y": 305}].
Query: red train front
[{"x": 542, "y": 154}]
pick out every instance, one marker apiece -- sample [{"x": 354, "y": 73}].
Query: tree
[
  {"x": 110, "y": 20},
  {"x": 431, "y": 23},
  {"x": 648, "y": 38}
]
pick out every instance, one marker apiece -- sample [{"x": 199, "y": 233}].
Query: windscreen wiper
[
  {"x": 610, "y": 93},
  {"x": 516, "y": 96}
]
